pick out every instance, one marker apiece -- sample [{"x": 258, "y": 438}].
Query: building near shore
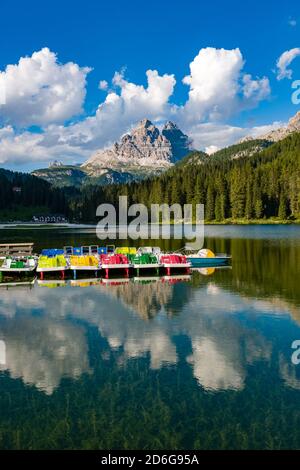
[{"x": 50, "y": 219}]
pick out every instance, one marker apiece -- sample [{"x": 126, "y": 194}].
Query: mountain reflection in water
[{"x": 43, "y": 332}]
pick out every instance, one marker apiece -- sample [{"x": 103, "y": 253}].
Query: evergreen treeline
[
  {"x": 263, "y": 185},
  {"x": 21, "y": 191}
]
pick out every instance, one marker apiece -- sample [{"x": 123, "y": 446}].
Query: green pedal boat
[
  {"x": 146, "y": 258},
  {"x": 18, "y": 264}
]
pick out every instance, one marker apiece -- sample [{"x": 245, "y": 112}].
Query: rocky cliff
[
  {"x": 142, "y": 151},
  {"x": 281, "y": 132}
]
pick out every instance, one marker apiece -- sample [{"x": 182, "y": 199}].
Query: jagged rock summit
[
  {"x": 144, "y": 150},
  {"x": 181, "y": 144},
  {"x": 281, "y": 132}
]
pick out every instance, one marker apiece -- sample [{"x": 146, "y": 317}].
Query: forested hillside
[
  {"x": 265, "y": 185},
  {"x": 23, "y": 195},
  {"x": 242, "y": 149}
]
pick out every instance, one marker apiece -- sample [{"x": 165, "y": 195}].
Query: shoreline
[{"x": 228, "y": 222}]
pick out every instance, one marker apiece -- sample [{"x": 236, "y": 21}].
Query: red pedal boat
[
  {"x": 174, "y": 261},
  {"x": 114, "y": 262}
]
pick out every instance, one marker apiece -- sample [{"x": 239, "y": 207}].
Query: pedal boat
[
  {"x": 114, "y": 262},
  {"x": 84, "y": 263},
  {"x": 52, "y": 261},
  {"x": 174, "y": 262},
  {"x": 206, "y": 258},
  {"x": 146, "y": 259},
  {"x": 22, "y": 264}
]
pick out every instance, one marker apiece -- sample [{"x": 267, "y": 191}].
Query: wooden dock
[{"x": 16, "y": 249}]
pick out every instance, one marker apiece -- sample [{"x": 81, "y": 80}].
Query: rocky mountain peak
[
  {"x": 181, "y": 144},
  {"x": 169, "y": 126},
  {"x": 281, "y": 132},
  {"x": 294, "y": 123},
  {"x": 145, "y": 131},
  {"x": 145, "y": 147},
  {"x": 144, "y": 123}
]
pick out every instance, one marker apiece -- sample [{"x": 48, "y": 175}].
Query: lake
[{"x": 195, "y": 362}]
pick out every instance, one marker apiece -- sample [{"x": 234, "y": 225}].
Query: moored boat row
[{"x": 109, "y": 260}]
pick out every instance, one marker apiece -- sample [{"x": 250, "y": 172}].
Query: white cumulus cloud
[
  {"x": 39, "y": 90},
  {"x": 121, "y": 110},
  {"x": 218, "y": 88},
  {"x": 153, "y": 99},
  {"x": 255, "y": 90},
  {"x": 284, "y": 61}
]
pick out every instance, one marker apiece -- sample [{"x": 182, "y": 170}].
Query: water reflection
[
  {"x": 288, "y": 372},
  {"x": 2, "y": 353},
  {"x": 44, "y": 331},
  {"x": 42, "y": 350},
  {"x": 202, "y": 362}
]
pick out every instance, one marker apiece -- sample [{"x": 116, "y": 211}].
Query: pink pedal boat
[
  {"x": 175, "y": 262},
  {"x": 114, "y": 262}
]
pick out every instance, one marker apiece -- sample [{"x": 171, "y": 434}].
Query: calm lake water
[{"x": 202, "y": 362}]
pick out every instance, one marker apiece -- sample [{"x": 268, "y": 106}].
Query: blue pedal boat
[{"x": 206, "y": 258}]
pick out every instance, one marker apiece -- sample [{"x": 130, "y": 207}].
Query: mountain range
[
  {"x": 143, "y": 152},
  {"x": 147, "y": 151},
  {"x": 144, "y": 148}
]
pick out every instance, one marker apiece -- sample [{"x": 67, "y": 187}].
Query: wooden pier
[{"x": 16, "y": 249}]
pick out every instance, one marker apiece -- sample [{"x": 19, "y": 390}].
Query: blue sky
[{"x": 131, "y": 38}]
